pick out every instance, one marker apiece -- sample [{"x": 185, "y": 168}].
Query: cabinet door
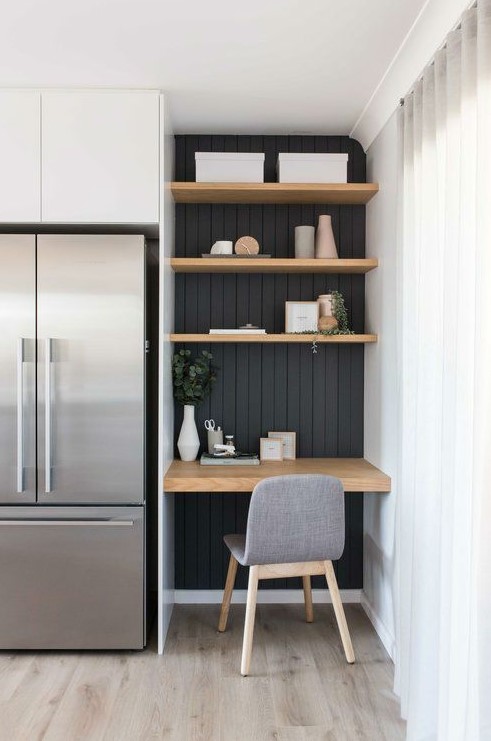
[
  {"x": 100, "y": 153},
  {"x": 20, "y": 157}
]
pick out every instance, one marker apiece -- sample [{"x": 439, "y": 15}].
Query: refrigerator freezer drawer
[{"x": 71, "y": 578}]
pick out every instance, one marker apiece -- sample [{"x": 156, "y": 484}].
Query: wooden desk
[{"x": 356, "y": 474}]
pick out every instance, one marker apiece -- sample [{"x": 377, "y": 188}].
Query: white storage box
[
  {"x": 312, "y": 168},
  {"x": 229, "y": 167}
]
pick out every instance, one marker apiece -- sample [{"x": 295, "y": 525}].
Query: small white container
[
  {"x": 229, "y": 167},
  {"x": 312, "y": 168}
]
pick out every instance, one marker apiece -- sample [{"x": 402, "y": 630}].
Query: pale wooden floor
[{"x": 300, "y": 686}]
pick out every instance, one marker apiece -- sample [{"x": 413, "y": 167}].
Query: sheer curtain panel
[{"x": 443, "y": 663}]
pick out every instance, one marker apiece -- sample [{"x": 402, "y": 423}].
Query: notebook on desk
[{"x": 241, "y": 459}]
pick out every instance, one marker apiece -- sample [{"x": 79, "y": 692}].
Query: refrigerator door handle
[
  {"x": 20, "y": 415},
  {"x": 67, "y": 523},
  {"x": 47, "y": 417}
]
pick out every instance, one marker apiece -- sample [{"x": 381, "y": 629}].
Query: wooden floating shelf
[
  {"x": 356, "y": 475},
  {"x": 279, "y": 338},
  {"x": 270, "y": 265},
  {"x": 286, "y": 193}
]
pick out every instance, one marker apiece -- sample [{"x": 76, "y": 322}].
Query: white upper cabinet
[
  {"x": 100, "y": 157},
  {"x": 20, "y": 157}
]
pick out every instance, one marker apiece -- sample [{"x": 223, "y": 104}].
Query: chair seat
[{"x": 236, "y": 545}]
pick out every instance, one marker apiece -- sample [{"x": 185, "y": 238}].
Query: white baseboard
[
  {"x": 264, "y": 596},
  {"x": 385, "y": 635}
]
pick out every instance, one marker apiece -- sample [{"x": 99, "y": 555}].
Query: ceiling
[{"x": 282, "y": 66}]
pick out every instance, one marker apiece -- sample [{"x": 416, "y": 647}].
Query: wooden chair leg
[
  {"x": 307, "y": 595},
  {"x": 227, "y": 593},
  {"x": 249, "y": 620},
  {"x": 339, "y": 612}
]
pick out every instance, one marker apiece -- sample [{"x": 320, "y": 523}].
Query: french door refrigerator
[{"x": 72, "y": 420}]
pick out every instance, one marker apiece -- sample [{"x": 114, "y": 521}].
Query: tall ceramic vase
[
  {"x": 188, "y": 441},
  {"x": 325, "y": 244}
]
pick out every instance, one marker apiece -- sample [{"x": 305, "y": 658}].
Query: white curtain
[{"x": 443, "y": 662}]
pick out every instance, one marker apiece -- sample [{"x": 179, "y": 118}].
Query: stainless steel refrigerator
[{"x": 72, "y": 421}]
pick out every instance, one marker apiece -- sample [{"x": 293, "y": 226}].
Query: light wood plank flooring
[{"x": 300, "y": 687}]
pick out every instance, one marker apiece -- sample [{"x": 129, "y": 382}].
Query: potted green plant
[{"x": 193, "y": 380}]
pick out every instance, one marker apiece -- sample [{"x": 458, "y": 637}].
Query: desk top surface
[{"x": 356, "y": 475}]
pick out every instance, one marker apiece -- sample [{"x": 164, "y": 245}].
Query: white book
[{"x": 237, "y": 331}]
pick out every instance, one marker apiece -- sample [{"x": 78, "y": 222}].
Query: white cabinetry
[
  {"x": 20, "y": 157},
  {"x": 100, "y": 157}
]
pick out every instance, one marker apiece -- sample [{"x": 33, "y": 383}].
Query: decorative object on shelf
[
  {"x": 229, "y": 167},
  {"x": 326, "y": 319},
  {"x": 325, "y": 244},
  {"x": 301, "y": 316},
  {"x": 215, "y": 436},
  {"x": 310, "y": 167},
  {"x": 289, "y": 440},
  {"x": 340, "y": 314},
  {"x": 192, "y": 382},
  {"x": 325, "y": 304},
  {"x": 327, "y": 323},
  {"x": 222, "y": 247},
  {"x": 305, "y": 242},
  {"x": 251, "y": 327},
  {"x": 245, "y": 246},
  {"x": 270, "y": 449}
]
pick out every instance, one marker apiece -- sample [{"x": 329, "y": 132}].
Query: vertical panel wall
[{"x": 268, "y": 387}]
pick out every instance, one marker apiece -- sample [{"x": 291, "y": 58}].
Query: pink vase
[{"x": 325, "y": 244}]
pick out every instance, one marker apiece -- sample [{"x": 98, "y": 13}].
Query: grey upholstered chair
[{"x": 295, "y": 528}]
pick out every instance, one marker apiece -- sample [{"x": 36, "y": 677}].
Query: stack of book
[{"x": 239, "y": 459}]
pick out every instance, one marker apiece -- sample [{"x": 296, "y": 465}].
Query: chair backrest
[{"x": 295, "y": 518}]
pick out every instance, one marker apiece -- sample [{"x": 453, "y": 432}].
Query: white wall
[
  {"x": 166, "y": 403},
  {"x": 381, "y": 421}
]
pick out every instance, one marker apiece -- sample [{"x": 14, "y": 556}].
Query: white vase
[
  {"x": 188, "y": 441},
  {"x": 325, "y": 244}
]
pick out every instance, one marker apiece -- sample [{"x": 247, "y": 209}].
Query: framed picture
[
  {"x": 301, "y": 316},
  {"x": 270, "y": 450},
  {"x": 289, "y": 443}
]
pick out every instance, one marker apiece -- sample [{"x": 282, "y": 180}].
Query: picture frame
[
  {"x": 270, "y": 449},
  {"x": 301, "y": 316},
  {"x": 289, "y": 440}
]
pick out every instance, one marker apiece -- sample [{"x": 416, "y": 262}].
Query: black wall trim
[{"x": 263, "y": 387}]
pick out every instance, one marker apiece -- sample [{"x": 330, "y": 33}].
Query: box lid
[
  {"x": 312, "y": 157},
  {"x": 257, "y": 156}
]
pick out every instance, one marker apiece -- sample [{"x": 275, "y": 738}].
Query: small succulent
[{"x": 339, "y": 312}]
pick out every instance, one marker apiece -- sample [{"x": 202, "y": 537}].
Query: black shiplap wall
[{"x": 268, "y": 387}]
